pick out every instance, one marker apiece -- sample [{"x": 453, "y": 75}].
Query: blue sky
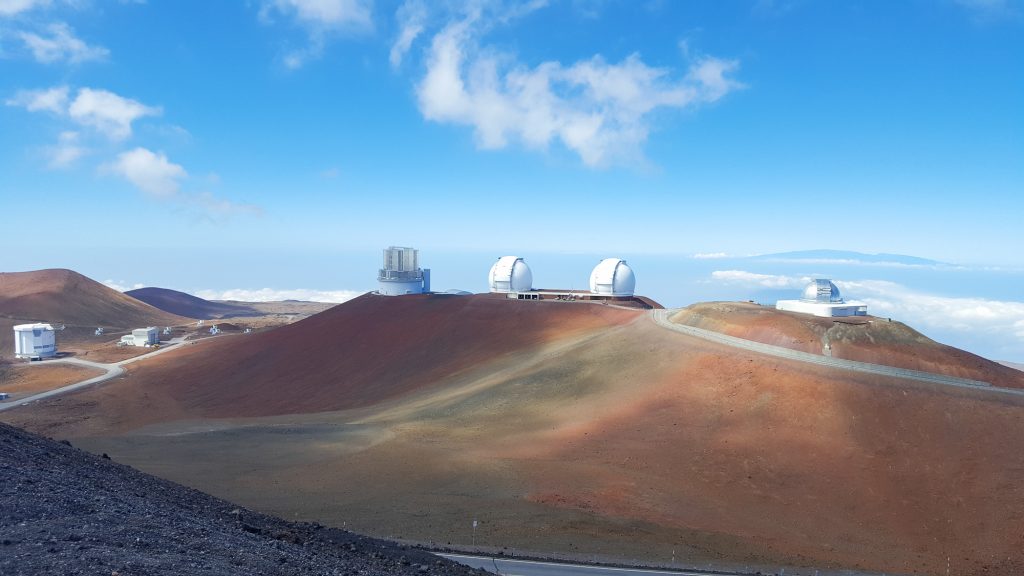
[{"x": 282, "y": 143}]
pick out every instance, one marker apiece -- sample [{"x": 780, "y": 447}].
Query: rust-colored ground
[
  {"x": 358, "y": 354},
  {"x": 66, "y": 297},
  {"x": 571, "y": 428},
  {"x": 25, "y": 379},
  {"x": 862, "y": 338}
]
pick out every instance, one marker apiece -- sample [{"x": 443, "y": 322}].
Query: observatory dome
[
  {"x": 822, "y": 290},
  {"x": 510, "y": 274},
  {"x": 613, "y": 277}
]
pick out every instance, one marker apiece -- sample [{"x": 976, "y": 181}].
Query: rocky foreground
[{"x": 65, "y": 511}]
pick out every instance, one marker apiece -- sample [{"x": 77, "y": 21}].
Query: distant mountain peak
[{"x": 851, "y": 256}]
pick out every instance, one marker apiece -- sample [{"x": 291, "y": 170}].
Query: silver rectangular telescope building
[{"x": 401, "y": 273}]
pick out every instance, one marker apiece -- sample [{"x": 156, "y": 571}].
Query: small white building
[
  {"x": 34, "y": 341},
  {"x": 612, "y": 277},
  {"x": 510, "y": 274},
  {"x": 822, "y": 298},
  {"x": 401, "y": 273},
  {"x": 142, "y": 337}
]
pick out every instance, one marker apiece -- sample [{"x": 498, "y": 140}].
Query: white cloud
[
  {"x": 963, "y": 314},
  {"x": 61, "y": 44},
  {"x": 67, "y": 151},
  {"x": 324, "y": 13},
  {"x": 151, "y": 172},
  {"x": 411, "y": 18},
  {"x": 154, "y": 174},
  {"x": 113, "y": 115},
  {"x": 320, "y": 18},
  {"x": 14, "y": 7},
  {"x": 995, "y": 327},
  {"x": 53, "y": 100},
  {"x": 710, "y": 255},
  {"x": 212, "y": 206},
  {"x": 121, "y": 285},
  {"x": 108, "y": 113},
  {"x": 762, "y": 280},
  {"x": 597, "y": 109},
  {"x": 102, "y": 110},
  {"x": 276, "y": 295}
]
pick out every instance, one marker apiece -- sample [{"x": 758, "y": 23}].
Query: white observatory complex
[
  {"x": 401, "y": 273},
  {"x": 34, "y": 341},
  {"x": 612, "y": 277},
  {"x": 822, "y": 298},
  {"x": 510, "y": 274},
  {"x": 611, "y": 281},
  {"x": 142, "y": 337}
]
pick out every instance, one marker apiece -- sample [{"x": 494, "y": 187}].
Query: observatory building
[
  {"x": 401, "y": 273},
  {"x": 822, "y": 298},
  {"x": 612, "y": 277},
  {"x": 34, "y": 341},
  {"x": 141, "y": 337},
  {"x": 612, "y": 282},
  {"x": 510, "y": 274}
]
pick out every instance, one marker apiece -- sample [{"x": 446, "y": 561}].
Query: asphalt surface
[
  {"x": 661, "y": 318},
  {"x": 111, "y": 371},
  {"x": 507, "y": 567}
]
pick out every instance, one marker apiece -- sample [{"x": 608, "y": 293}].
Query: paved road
[
  {"x": 110, "y": 371},
  {"x": 507, "y": 567},
  {"x": 661, "y": 318}
]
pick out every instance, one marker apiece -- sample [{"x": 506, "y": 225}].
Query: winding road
[
  {"x": 507, "y": 567},
  {"x": 661, "y": 318},
  {"x": 111, "y": 371}
]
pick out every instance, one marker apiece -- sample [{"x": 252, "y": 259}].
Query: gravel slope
[{"x": 65, "y": 511}]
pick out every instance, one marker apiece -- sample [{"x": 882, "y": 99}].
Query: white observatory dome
[
  {"x": 613, "y": 277},
  {"x": 510, "y": 274},
  {"x": 822, "y": 290}
]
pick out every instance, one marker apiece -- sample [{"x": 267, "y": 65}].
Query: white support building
[
  {"x": 612, "y": 277},
  {"x": 34, "y": 341},
  {"x": 822, "y": 298},
  {"x": 142, "y": 337},
  {"x": 510, "y": 274},
  {"x": 401, "y": 273}
]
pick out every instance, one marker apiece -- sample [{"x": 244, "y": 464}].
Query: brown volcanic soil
[
  {"x": 65, "y": 297},
  {"x": 580, "y": 429},
  {"x": 358, "y": 354},
  {"x": 187, "y": 305},
  {"x": 864, "y": 338},
  {"x": 23, "y": 379}
]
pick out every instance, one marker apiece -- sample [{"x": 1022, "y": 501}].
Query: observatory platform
[{"x": 822, "y": 298}]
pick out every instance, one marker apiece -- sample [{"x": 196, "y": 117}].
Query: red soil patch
[
  {"x": 362, "y": 352},
  {"x": 865, "y": 339},
  {"x": 24, "y": 379},
  {"x": 66, "y": 297},
  {"x": 814, "y": 466}
]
